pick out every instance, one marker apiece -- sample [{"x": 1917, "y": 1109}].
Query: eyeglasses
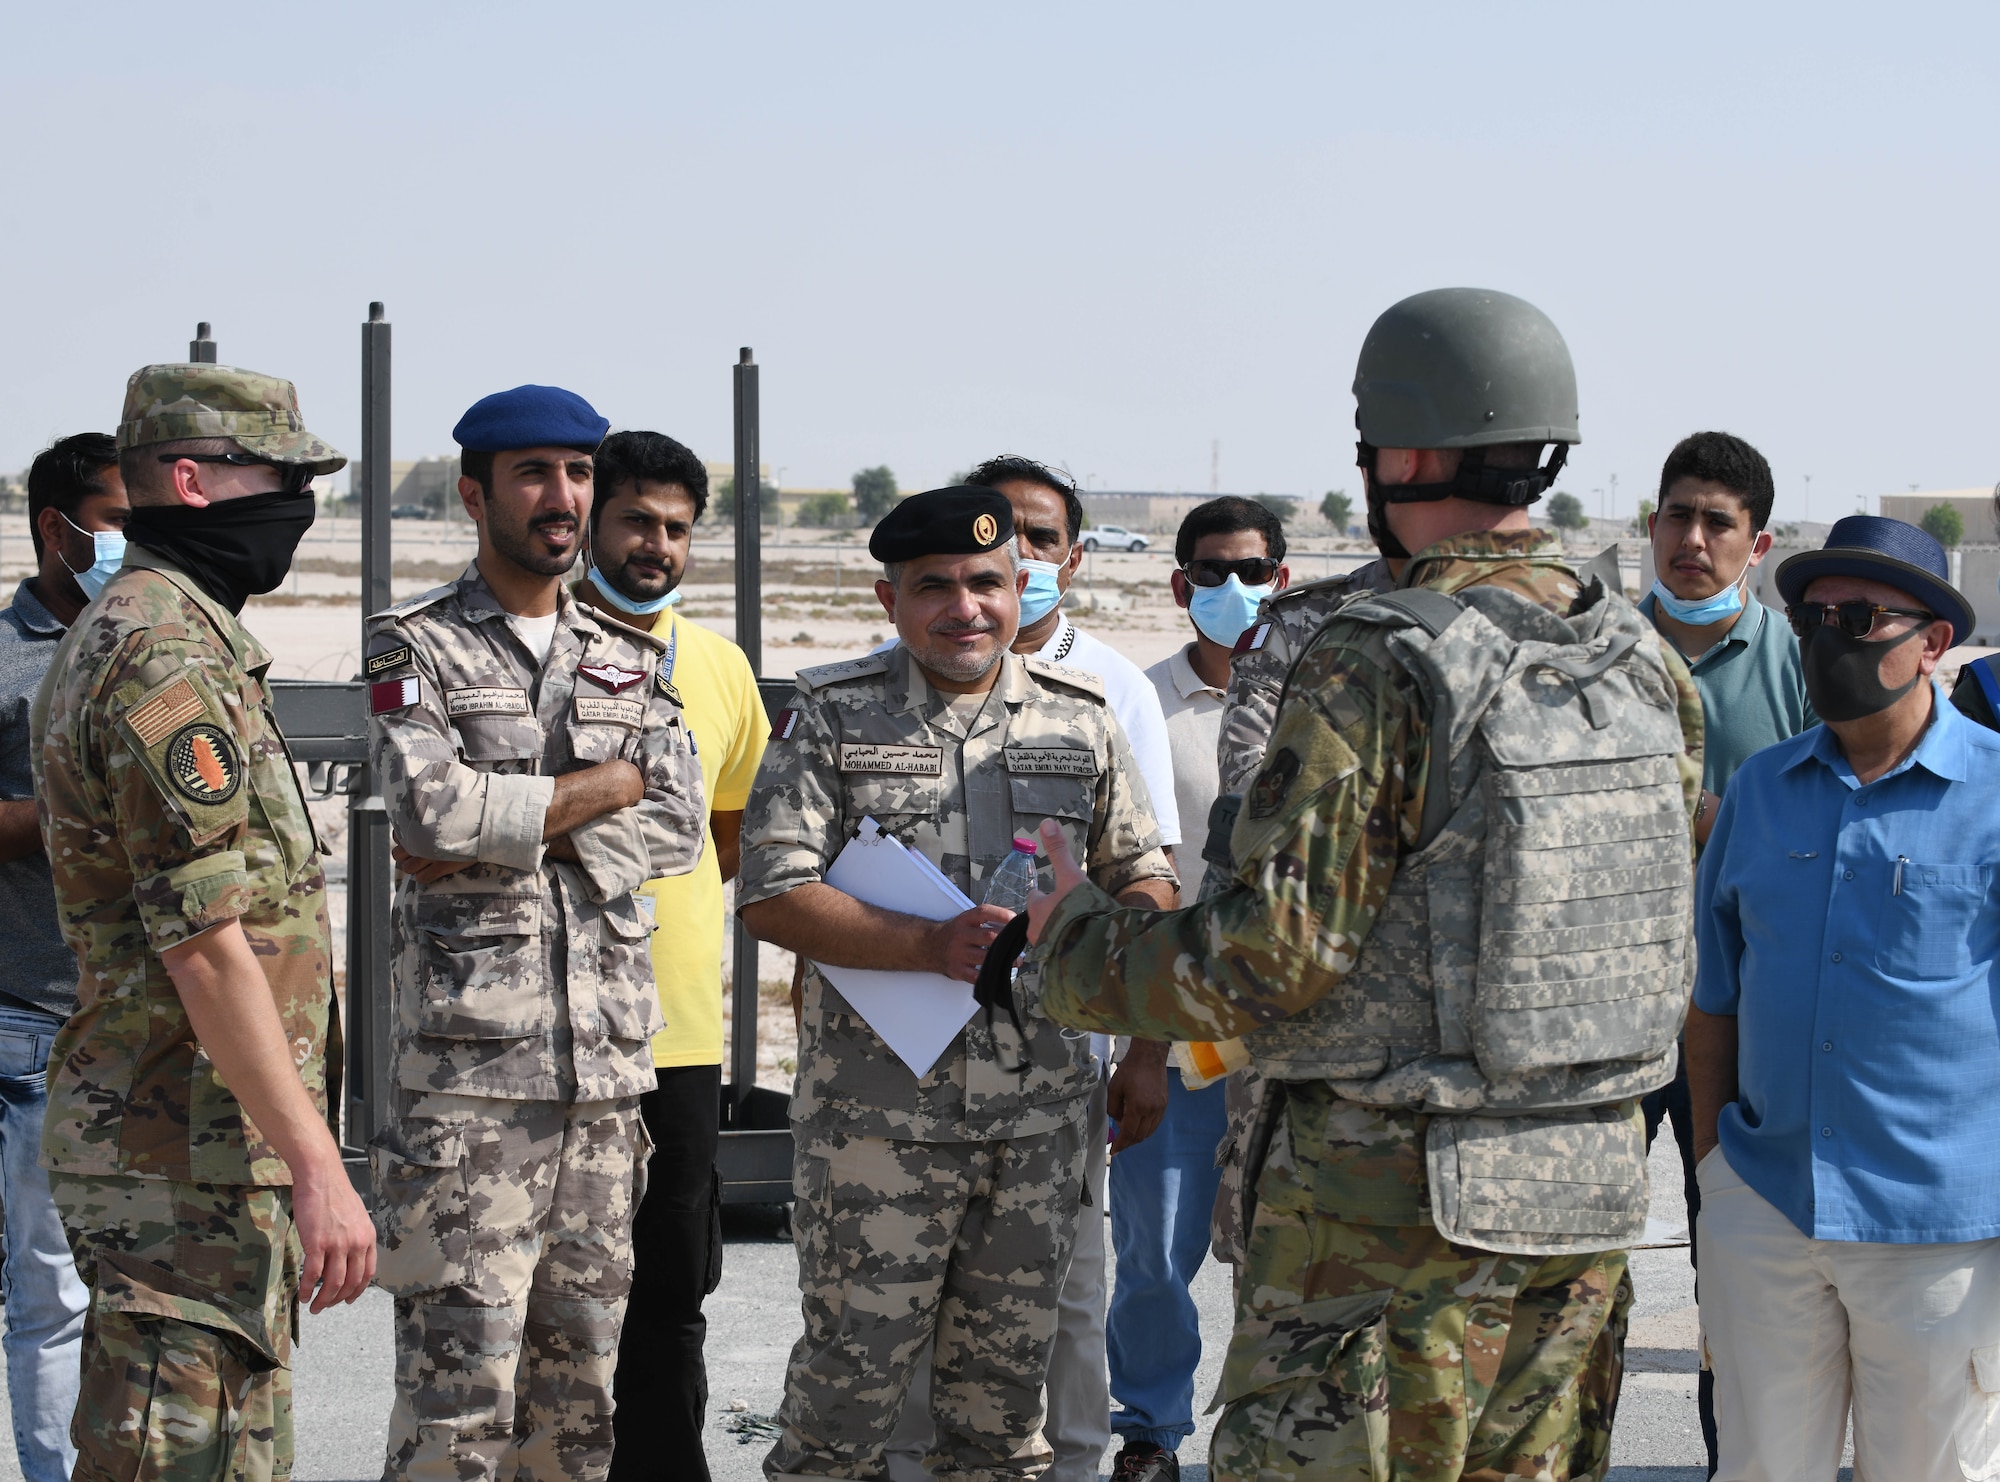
[
  {"x": 1252, "y": 571},
  {"x": 296, "y": 475},
  {"x": 1856, "y": 618}
]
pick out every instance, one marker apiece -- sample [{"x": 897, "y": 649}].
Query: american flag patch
[
  {"x": 1252, "y": 639},
  {"x": 784, "y": 725},
  {"x": 393, "y": 694}
]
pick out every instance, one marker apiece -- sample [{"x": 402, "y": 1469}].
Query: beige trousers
[{"x": 1801, "y": 1331}]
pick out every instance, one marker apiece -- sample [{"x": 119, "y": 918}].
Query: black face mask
[
  {"x": 1843, "y": 675},
  {"x": 234, "y": 548}
]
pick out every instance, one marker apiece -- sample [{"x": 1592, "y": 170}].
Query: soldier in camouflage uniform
[
  {"x": 934, "y": 1212},
  {"x": 187, "y": 1135},
  {"x": 1434, "y": 1286},
  {"x": 537, "y": 773}
]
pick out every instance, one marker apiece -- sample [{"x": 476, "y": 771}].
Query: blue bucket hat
[{"x": 1884, "y": 550}]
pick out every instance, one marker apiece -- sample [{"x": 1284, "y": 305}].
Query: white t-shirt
[
  {"x": 1193, "y": 708},
  {"x": 1136, "y": 704},
  {"x": 537, "y": 633}
]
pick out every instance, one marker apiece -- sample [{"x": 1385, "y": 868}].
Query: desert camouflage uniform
[
  {"x": 1286, "y": 622},
  {"x": 168, "y": 806},
  {"x": 525, "y": 1006},
  {"x": 1366, "y": 1343},
  {"x": 936, "y": 1212}
]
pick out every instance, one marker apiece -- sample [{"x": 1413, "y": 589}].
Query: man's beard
[
  {"x": 518, "y": 543},
  {"x": 641, "y": 584},
  {"x": 954, "y": 664}
]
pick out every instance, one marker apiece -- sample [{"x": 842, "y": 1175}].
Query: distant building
[
  {"x": 1974, "y": 506},
  {"x": 1161, "y": 513}
]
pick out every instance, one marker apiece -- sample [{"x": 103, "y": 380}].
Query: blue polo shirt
[
  {"x": 38, "y": 970},
  {"x": 1854, "y": 934},
  {"x": 1753, "y": 691}
]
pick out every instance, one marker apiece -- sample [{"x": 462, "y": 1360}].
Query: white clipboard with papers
[{"x": 917, "y": 1015}]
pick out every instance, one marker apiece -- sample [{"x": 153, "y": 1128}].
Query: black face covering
[
  {"x": 1843, "y": 675},
  {"x": 235, "y": 548}
]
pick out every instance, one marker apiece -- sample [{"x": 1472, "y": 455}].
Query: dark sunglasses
[
  {"x": 1252, "y": 571},
  {"x": 296, "y": 475},
  {"x": 1856, "y": 618}
]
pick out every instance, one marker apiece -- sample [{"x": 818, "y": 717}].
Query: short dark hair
[
  {"x": 1225, "y": 516},
  {"x": 65, "y": 473},
  {"x": 1725, "y": 459},
  {"x": 477, "y": 464},
  {"x": 655, "y": 458},
  {"x": 1012, "y": 467}
]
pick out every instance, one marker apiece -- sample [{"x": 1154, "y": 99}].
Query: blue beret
[
  {"x": 530, "y": 417},
  {"x": 959, "y": 521}
]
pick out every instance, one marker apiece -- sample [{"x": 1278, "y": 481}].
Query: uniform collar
[
  {"x": 250, "y": 655},
  {"x": 908, "y": 690},
  {"x": 1487, "y": 545}
]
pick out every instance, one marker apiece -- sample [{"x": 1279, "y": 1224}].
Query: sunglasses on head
[
  {"x": 1856, "y": 618},
  {"x": 296, "y": 475},
  {"x": 1252, "y": 571}
]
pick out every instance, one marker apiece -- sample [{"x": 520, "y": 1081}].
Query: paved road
[{"x": 343, "y": 1373}]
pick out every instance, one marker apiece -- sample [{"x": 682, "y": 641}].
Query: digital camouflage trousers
[
  {"x": 506, "y": 1240},
  {"x": 1384, "y": 1353},
  {"x": 187, "y": 1346},
  {"x": 955, "y": 1249}
]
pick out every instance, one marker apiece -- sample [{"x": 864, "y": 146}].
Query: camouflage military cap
[{"x": 176, "y": 403}]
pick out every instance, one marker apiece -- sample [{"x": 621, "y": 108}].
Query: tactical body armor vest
[{"x": 1530, "y": 967}]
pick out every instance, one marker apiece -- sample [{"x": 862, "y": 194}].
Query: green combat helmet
[
  {"x": 182, "y": 402},
  {"x": 1463, "y": 368}
]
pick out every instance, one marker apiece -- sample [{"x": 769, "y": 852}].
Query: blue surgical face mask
[
  {"x": 1042, "y": 593},
  {"x": 625, "y": 604},
  {"x": 1709, "y": 611},
  {"x": 1222, "y": 613},
  {"x": 110, "y": 555}
]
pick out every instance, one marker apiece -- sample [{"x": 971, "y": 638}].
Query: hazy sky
[{"x": 1100, "y": 234}]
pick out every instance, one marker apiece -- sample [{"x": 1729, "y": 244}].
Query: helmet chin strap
[
  {"x": 1513, "y": 487},
  {"x": 1378, "y": 519}
]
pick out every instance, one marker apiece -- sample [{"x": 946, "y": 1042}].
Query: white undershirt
[{"x": 536, "y": 633}]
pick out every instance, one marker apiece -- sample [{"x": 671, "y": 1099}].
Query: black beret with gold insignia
[{"x": 959, "y": 521}]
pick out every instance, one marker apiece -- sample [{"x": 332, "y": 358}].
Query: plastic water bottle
[{"x": 1009, "y": 885}]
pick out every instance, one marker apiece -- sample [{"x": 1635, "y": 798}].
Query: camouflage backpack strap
[{"x": 1433, "y": 612}]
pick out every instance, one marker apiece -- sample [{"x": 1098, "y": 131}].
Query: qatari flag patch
[
  {"x": 1252, "y": 638},
  {"x": 784, "y": 725},
  {"x": 393, "y": 694}
]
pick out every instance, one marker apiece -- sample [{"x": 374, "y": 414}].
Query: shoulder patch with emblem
[
  {"x": 1268, "y": 790},
  {"x": 1252, "y": 638},
  {"x": 390, "y": 658},
  {"x": 611, "y": 676},
  {"x": 666, "y": 687},
  {"x": 786, "y": 723},
  {"x": 203, "y": 766},
  {"x": 176, "y": 705}
]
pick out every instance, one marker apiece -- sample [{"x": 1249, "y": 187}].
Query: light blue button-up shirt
[{"x": 1854, "y": 934}]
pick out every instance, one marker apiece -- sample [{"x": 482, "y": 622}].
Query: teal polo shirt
[{"x": 1753, "y": 691}]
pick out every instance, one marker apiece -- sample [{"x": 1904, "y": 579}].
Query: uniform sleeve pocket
[
  {"x": 1305, "y": 1390},
  {"x": 473, "y": 982}
]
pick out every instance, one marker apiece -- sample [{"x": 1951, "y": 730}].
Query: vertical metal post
[
  {"x": 201, "y": 349},
  {"x": 369, "y": 878},
  {"x": 750, "y": 638}
]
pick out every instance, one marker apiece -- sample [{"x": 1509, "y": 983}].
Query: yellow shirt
[{"x": 730, "y": 729}]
